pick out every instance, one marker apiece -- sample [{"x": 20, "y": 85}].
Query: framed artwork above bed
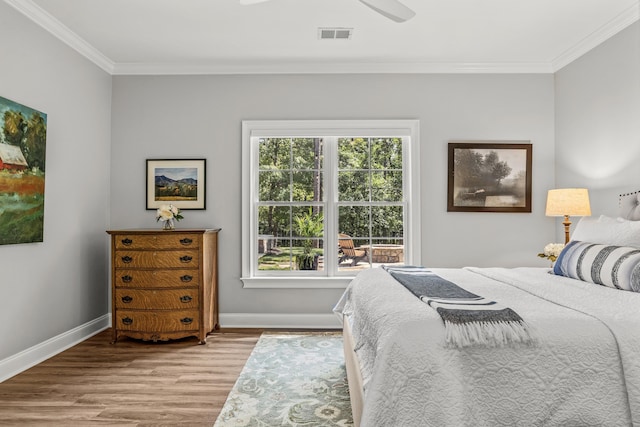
[{"x": 489, "y": 176}]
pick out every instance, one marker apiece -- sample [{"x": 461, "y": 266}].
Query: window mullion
[
  {"x": 330, "y": 205},
  {"x": 370, "y": 175},
  {"x": 406, "y": 193}
]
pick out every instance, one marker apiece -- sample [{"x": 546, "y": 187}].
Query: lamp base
[{"x": 567, "y": 225}]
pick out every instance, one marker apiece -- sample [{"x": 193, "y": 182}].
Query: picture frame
[
  {"x": 489, "y": 176},
  {"x": 22, "y": 173},
  {"x": 179, "y": 182}
]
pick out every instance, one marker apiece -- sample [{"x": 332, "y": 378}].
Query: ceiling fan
[{"x": 392, "y": 9}]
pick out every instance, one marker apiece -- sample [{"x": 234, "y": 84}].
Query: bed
[{"x": 581, "y": 367}]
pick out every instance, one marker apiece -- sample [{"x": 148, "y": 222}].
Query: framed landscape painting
[
  {"x": 489, "y": 176},
  {"x": 23, "y": 136},
  {"x": 180, "y": 182}
]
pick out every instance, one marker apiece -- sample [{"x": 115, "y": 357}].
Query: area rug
[{"x": 291, "y": 379}]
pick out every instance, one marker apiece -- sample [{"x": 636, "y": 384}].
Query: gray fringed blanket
[{"x": 469, "y": 319}]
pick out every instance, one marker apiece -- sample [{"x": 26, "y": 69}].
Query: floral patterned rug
[{"x": 291, "y": 379}]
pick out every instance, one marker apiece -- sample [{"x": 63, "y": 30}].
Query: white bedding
[{"x": 584, "y": 369}]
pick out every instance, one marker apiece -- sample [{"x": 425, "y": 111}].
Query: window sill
[{"x": 275, "y": 282}]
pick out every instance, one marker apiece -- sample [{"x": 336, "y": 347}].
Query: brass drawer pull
[
  {"x": 127, "y": 259},
  {"x": 127, "y": 241},
  {"x": 186, "y": 258},
  {"x": 186, "y": 320},
  {"x": 127, "y": 299},
  {"x": 186, "y": 241},
  {"x": 126, "y": 278},
  {"x": 186, "y": 278},
  {"x": 185, "y": 299},
  {"x": 127, "y": 321}
]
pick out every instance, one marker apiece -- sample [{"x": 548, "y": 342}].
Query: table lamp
[{"x": 566, "y": 202}]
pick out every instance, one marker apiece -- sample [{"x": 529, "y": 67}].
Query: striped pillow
[{"x": 613, "y": 266}]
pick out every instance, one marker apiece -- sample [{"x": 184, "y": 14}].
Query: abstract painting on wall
[{"x": 23, "y": 136}]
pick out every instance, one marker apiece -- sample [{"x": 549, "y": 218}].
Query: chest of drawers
[{"x": 164, "y": 284}]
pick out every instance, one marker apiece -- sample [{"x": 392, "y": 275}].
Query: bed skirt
[{"x": 354, "y": 377}]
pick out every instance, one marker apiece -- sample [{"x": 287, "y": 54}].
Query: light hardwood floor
[{"x": 130, "y": 383}]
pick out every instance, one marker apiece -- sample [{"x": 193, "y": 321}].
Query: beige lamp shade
[{"x": 568, "y": 202}]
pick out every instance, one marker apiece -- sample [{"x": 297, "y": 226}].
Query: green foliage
[
  {"x": 309, "y": 225},
  {"x": 353, "y": 153},
  {"x": 176, "y": 191},
  {"x": 289, "y": 169},
  {"x": 15, "y": 127},
  {"x": 475, "y": 171},
  {"x": 274, "y": 220},
  {"x": 307, "y": 261},
  {"x": 28, "y": 134},
  {"x": 35, "y": 139},
  {"x": 369, "y": 171},
  {"x": 365, "y": 221},
  {"x": 23, "y": 223},
  {"x": 285, "y": 260}
]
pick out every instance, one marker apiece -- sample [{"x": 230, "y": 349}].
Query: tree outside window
[{"x": 292, "y": 201}]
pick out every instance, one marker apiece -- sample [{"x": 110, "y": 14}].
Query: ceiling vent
[{"x": 334, "y": 33}]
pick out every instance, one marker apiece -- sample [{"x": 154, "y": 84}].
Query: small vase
[{"x": 168, "y": 224}]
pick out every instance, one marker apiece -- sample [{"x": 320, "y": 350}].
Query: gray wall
[
  {"x": 598, "y": 121},
  {"x": 200, "y": 116},
  {"x": 96, "y": 159},
  {"x": 53, "y": 287}
]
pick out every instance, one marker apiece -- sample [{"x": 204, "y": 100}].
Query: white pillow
[{"x": 608, "y": 231}]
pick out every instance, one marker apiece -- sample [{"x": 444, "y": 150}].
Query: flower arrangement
[
  {"x": 552, "y": 251},
  {"x": 167, "y": 214}
]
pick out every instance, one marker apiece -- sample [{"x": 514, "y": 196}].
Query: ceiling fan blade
[
  {"x": 248, "y": 2},
  {"x": 392, "y": 9}
]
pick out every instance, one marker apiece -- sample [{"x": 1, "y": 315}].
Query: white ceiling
[{"x": 281, "y": 36}]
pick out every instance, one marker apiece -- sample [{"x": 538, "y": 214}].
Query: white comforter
[{"x": 584, "y": 369}]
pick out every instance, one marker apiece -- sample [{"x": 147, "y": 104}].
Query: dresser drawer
[
  {"x": 131, "y": 278},
  {"x": 157, "y": 299},
  {"x": 169, "y": 240},
  {"x": 149, "y": 321},
  {"x": 156, "y": 259}
]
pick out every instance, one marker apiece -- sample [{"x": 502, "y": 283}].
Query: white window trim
[{"x": 323, "y": 128}]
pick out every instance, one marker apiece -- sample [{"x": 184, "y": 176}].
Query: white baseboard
[
  {"x": 272, "y": 320},
  {"x": 24, "y": 360}
]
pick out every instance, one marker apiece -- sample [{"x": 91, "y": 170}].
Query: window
[{"x": 323, "y": 200}]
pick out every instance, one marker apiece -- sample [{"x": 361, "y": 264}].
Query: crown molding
[
  {"x": 310, "y": 67},
  {"x": 62, "y": 32},
  {"x": 48, "y": 22},
  {"x": 611, "y": 28}
]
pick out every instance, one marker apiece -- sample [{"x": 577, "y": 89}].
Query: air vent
[{"x": 334, "y": 33}]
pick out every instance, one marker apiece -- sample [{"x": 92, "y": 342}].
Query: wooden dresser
[{"x": 164, "y": 284}]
